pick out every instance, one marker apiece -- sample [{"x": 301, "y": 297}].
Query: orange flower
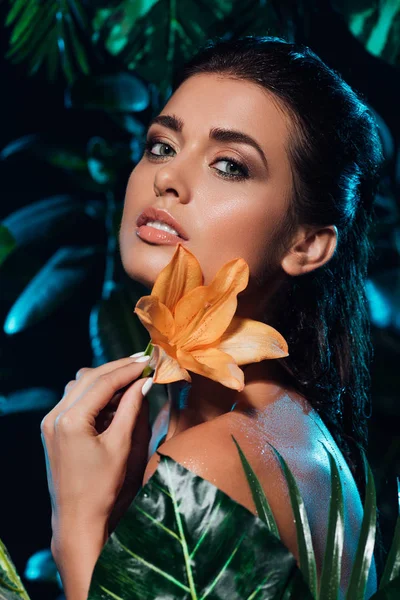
[{"x": 193, "y": 327}]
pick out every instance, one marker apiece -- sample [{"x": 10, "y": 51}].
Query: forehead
[{"x": 209, "y": 100}]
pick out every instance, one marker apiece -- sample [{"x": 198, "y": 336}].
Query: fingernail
[
  {"x": 142, "y": 358},
  {"x": 136, "y": 354},
  {"x": 147, "y": 386}
]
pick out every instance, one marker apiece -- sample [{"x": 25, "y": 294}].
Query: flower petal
[
  {"x": 156, "y": 317},
  {"x": 168, "y": 369},
  {"x": 202, "y": 316},
  {"x": 180, "y": 276},
  {"x": 249, "y": 341},
  {"x": 214, "y": 364}
]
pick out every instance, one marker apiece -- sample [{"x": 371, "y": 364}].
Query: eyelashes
[{"x": 244, "y": 171}]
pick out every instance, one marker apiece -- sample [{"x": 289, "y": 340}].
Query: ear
[{"x": 311, "y": 249}]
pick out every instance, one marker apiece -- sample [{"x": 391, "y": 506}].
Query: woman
[{"x": 262, "y": 152}]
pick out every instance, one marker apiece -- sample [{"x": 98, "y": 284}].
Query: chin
[
  {"x": 143, "y": 266},
  {"x": 139, "y": 274}
]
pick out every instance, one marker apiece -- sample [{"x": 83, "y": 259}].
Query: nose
[{"x": 168, "y": 182}]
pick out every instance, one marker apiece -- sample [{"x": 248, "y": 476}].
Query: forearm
[{"x": 75, "y": 550}]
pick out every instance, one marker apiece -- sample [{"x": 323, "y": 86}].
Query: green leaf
[
  {"x": 18, "y": 145},
  {"x": 7, "y": 243},
  {"x": 391, "y": 591},
  {"x": 366, "y": 541},
  {"x": 48, "y": 148},
  {"x": 15, "y": 10},
  {"x": 41, "y": 567},
  {"x": 107, "y": 160},
  {"x": 39, "y": 34},
  {"x": 297, "y": 589},
  {"x": 78, "y": 47},
  {"x": 30, "y": 43},
  {"x": 48, "y": 218},
  {"x": 375, "y": 25},
  {"x": 71, "y": 157},
  {"x": 66, "y": 55},
  {"x": 260, "y": 500},
  {"x": 115, "y": 331},
  {"x": 331, "y": 568},
  {"x": 61, "y": 277},
  {"x": 129, "y": 123},
  {"x": 28, "y": 400},
  {"x": 11, "y": 587},
  {"x": 29, "y": 17},
  {"x": 392, "y": 566},
  {"x": 306, "y": 550},
  {"x": 155, "y": 38},
  {"x": 119, "y": 92},
  {"x": 182, "y": 537}
]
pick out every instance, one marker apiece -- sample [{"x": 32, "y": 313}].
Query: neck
[{"x": 205, "y": 399}]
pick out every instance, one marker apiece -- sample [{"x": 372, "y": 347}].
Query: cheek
[
  {"x": 236, "y": 233},
  {"x": 132, "y": 197},
  {"x": 135, "y": 201}
]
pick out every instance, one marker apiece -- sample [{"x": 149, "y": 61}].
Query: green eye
[{"x": 243, "y": 170}]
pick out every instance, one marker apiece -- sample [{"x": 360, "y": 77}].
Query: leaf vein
[{"x": 156, "y": 569}]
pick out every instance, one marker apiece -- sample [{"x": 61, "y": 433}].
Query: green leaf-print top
[{"x": 182, "y": 537}]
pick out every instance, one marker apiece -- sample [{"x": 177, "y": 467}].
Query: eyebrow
[{"x": 216, "y": 133}]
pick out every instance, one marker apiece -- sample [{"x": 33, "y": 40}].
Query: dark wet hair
[{"x": 336, "y": 156}]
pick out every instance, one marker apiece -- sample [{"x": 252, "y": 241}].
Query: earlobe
[{"x": 311, "y": 252}]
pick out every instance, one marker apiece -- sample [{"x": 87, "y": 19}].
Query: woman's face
[{"x": 227, "y": 210}]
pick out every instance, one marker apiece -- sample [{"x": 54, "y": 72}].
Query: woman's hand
[{"x": 86, "y": 460}]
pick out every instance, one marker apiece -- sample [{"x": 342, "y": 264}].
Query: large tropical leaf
[
  {"x": 70, "y": 157},
  {"x": 11, "y": 587},
  {"x": 7, "y": 243},
  {"x": 42, "y": 567},
  {"x": 376, "y": 24},
  {"x": 115, "y": 331},
  {"x": 366, "y": 541},
  {"x": 61, "y": 277},
  {"x": 391, "y": 591},
  {"x": 28, "y": 400},
  {"x": 50, "y": 218},
  {"x": 155, "y": 38},
  {"x": 49, "y": 32},
  {"x": 45, "y": 147},
  {"x": 182, "y": 537},
  {"x": 107, "y": 161},
  {"x": 332, "y": 565},
  {"x": 383, "y": 295},
  {"x": 118, "y": 92},
  {"x": 304, "y": 541},
  {"x": 264, "y": 510},
  {"x": 392, "y": 566}
]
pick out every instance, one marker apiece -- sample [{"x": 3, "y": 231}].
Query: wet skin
[{"x": 225, "y": 218}]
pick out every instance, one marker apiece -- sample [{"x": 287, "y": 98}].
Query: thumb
[{"x": 128, "y": 412}]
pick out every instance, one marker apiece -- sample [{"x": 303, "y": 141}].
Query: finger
[
  {"x": 69, "y": 386},
  {"x": 85, "y": 380},
  {"x": 131, "y": 409},
  {"x": 82, "y": 371},
  {"x": 48, "y": 472},
  {"x": 99, "y": 392},
  {"x": 72, "y": 383}
]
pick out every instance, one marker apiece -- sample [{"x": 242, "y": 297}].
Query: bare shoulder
[{"x": 209, "y": 451}]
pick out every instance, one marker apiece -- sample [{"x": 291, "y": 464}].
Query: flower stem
[{"x": 148, "y": 370}]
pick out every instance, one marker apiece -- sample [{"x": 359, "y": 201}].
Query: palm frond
[{"x": 49, "y": 32}]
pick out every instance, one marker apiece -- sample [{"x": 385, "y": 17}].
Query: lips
[{"x": 157, "y": 214}]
